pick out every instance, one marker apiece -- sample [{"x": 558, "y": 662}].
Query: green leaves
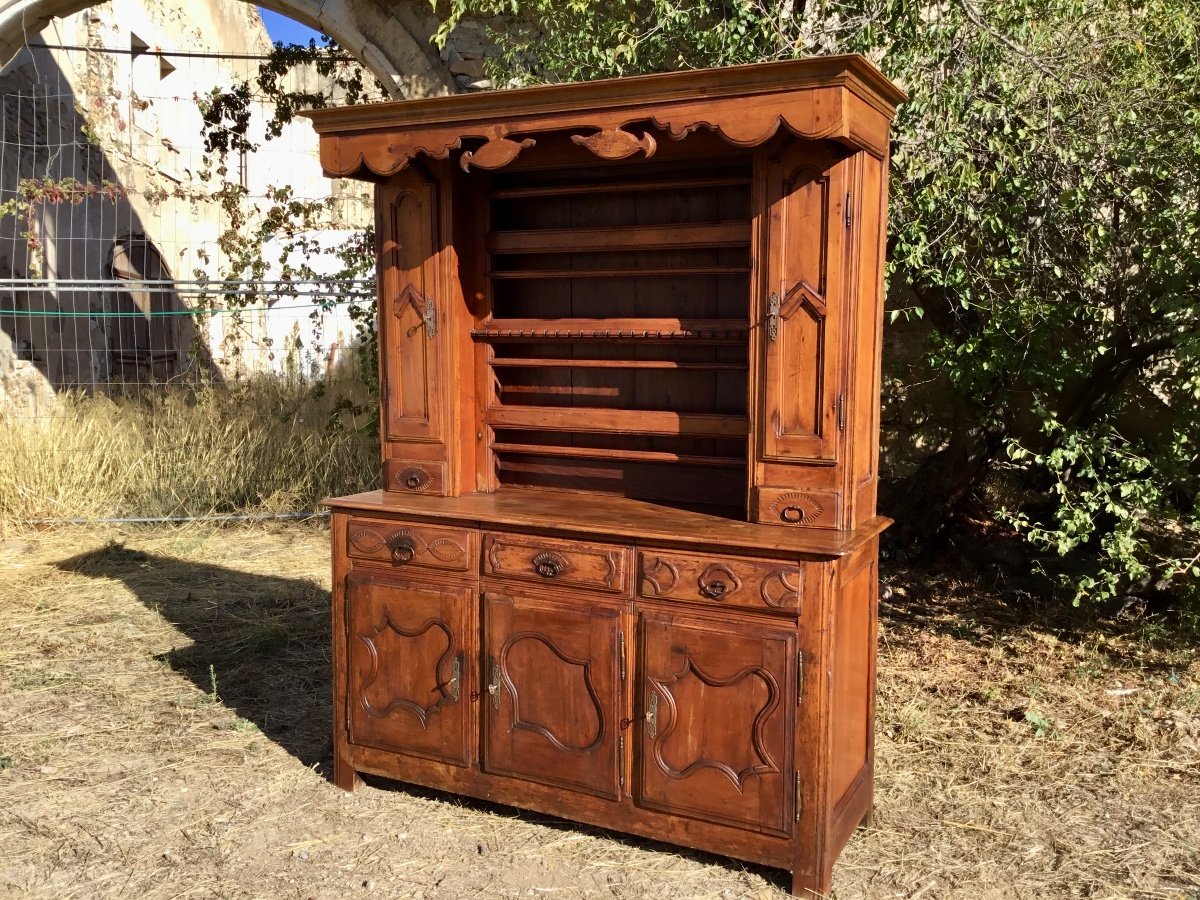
[{"x": 1045, "y": 223}]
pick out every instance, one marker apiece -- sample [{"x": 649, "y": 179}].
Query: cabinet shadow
[{"x": 261, "y": 642}]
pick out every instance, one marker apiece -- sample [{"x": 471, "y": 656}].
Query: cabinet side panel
[
  {"x": 852, "y": 687},
  {"x": 864, "y": 389}
]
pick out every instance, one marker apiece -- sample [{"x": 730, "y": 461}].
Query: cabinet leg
[{"x": 344, "y": 775}]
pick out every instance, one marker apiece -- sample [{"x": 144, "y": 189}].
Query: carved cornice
[{"x": 844, "y": 99}]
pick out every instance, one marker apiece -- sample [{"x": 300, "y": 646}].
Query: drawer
[
  {"x": 549, "y": 561},
  {"x": 728, "y": 581},
  {"x": 411, "y": 546}
]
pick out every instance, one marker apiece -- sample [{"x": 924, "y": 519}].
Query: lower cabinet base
[
  {"x": 810, "y": 872},
  {"x": 719, "y": 699}
]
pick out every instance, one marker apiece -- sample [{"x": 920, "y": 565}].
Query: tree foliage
[{"x": 1045, "y": 224}]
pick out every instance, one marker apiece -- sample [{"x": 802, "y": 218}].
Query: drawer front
[
  {"x": 547, "y": 561},
  {"x": 411, "y": 546},
  {"x": 725, "y": 581}
]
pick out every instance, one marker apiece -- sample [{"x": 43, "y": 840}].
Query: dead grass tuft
[
  {"x": 164, "y": 732},
  {"x": 262, "y": 445}
]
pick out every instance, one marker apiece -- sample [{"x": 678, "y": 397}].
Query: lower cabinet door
[
  {"x": 409, "y": 669},
  {"x": 717, "y": 703},
  {"x": 553, "y": 692}
]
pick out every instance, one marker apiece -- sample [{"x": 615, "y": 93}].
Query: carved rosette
[
  {"x": 367, "y": 540},
  {"x": 660, "y": 576},
  {"x": 781, "y": 589}
]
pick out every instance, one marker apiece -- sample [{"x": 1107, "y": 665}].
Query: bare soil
[{"x": 165, "y": 733}]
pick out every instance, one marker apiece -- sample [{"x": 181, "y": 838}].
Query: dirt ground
[{"x": 164, "y": 733}]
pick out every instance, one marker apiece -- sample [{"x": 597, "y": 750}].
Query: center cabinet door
[
  {"x": 718, "y": 704},
  {"x": 409, "y": 667},
  {"x": 553, "y": 692}
]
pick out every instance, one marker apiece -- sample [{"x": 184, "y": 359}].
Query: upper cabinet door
[
  {"x": 410, "y": 670},
  {"x": 553, "y": 692},
  {"x": 802, "y": 304},
  {"x": 409, "y": 306}
]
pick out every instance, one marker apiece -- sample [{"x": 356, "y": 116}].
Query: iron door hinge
[
  {"x": 494, "y": 686},
  {"x": 841, "y": 412},
  {"x": 621, "y": 651},
  {"x": 430, "y": 318},
  {"x": 799, "y": 802},
  {"x": 621, "y": 762},
  {"x": 849, "y": 212},
  {"x": 799, "y": 676}
]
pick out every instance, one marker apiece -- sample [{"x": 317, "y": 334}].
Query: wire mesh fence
[{"x": 169, "y": 301}]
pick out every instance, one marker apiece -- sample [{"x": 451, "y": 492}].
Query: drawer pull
[
  {"x": 793, "y": 515},
  {"x": 452, "y": 688},
  {"x": 494, "y": 686},
  {"x": 403, "y": 550},
  {"x": 413, "y": 481},
  {"x": 549, "y": 565},
  {"x": 652, "y": 715},
  {"x": 714, "y": 590}
]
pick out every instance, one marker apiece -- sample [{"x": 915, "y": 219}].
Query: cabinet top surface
[{"x": 612, "y": 519}]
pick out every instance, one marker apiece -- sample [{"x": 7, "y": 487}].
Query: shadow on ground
[
  {"x": 262, "y": 642},
  {"x": 259, "y": 642}
]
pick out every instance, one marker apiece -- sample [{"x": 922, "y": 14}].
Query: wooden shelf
[
  {"x": 633, "y": 237},
  {"x": 615, "y": 421},
  {"x": 505, "y": 362},
  {"x": 620, "y": 187},
  {"x": 654, "y": 456},
  {"x": 613, "y": 329},
  {"x": 663, "y": 272}
]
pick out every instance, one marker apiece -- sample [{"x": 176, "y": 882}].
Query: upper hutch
[{"x": 623, "y": 567}]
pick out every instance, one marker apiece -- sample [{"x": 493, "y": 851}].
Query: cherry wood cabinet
[{"x": 623, "y": 567}]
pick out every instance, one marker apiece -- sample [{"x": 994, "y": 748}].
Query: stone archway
[{"x": 398, "y": 51}]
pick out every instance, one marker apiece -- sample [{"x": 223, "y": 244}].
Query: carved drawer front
[
  {"x": 726, "y": 581},
  {"x": 547, "y": 561},
  {"x": 411, "y": 546},
  {"x": 414, "y": 477}
]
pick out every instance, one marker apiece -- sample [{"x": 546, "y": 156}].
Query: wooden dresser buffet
[{"x": 624, "y": 566}]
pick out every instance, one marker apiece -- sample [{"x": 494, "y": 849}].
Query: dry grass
[
  {"x": 164, "y": 732},
  {"x": 263, "y": 445}
]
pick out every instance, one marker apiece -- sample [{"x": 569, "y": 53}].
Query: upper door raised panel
[
  {"x": 803, "y": 311},
  {"x": 408, "y": 209}
]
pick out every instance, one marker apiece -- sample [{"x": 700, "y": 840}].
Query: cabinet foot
[
  {"x": 344, "y": 775},
  {"x": 811, "y": 887},
  {"x": 868, "y": 820}
]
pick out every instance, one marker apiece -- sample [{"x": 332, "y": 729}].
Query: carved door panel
[
  {"x": 553, "y": 692},
  {"x": 408, "y": 299},
  {"x": 717, "y": 703},
  {"x": 409, "y": 669},
  {"x": 802, "y": 390}
]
